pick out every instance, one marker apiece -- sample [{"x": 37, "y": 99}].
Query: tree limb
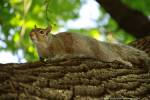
[
  {"x": 132, "y": 21},
  {"x": 72, "y": 79}
]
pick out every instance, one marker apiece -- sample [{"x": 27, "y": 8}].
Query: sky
[{"x": 89, "y": 12}]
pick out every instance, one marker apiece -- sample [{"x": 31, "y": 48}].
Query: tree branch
[
  {"x": 72, "y": 79},
  {"x": 132, "y": 21}
]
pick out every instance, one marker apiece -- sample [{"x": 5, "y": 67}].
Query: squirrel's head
[{"x": 39, "y": 35}]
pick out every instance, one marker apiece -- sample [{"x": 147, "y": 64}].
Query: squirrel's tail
[{"x": 142, "y": 44}]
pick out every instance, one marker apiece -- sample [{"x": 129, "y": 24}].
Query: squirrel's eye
[{"x": 41, "y": 32}]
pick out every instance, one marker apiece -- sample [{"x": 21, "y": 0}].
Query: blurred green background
[{"x": 18, "y": 17}]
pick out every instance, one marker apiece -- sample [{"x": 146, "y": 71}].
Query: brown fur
[{"x": 66, "y": 43}]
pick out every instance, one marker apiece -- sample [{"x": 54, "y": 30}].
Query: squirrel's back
[
  {"x": 70, "y": 43},
  {"x": 77, "y": 44}
]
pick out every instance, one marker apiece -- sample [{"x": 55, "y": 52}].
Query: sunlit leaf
[
  {"x": 16, "y": 38},
  {"x": 95, "y": 33}
]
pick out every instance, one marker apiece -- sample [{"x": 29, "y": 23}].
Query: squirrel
[{"x": 74, "y": 44}]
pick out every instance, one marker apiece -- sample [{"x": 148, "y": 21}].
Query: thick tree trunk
[
  {"x": 73, "y": 79},
  {"x": 132, "y": 21}
]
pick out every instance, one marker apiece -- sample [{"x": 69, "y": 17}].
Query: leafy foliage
[
  {"x": 140, "y": 5},
  {"x": 19, "y": 16}
]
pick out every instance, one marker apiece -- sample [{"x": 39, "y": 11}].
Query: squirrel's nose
[{"x": 32, "y": 34}]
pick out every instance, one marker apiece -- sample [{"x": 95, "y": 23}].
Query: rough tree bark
[
  {"x": 132, "y": 21},
  {"x": 73, "y": 79}
]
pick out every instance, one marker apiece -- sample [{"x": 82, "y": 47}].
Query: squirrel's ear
[
  {"x": 48, "y": 29},
  {"x": 35, "y": 26}
]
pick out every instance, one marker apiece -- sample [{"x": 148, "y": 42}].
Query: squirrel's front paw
[{"x": 42, "y": 59}]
